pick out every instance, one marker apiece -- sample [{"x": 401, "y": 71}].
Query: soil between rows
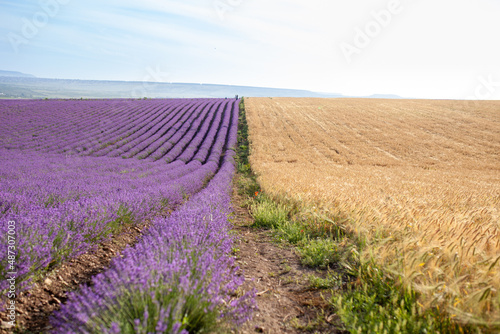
[{"x": 35, "y": 306}]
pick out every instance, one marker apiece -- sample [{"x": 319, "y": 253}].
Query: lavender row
[
  {"x": 161, "y": 131},
  {"x": 122, "y": 127},
  {"x": 186, "y": 132},
  {"x": 85, "y": 119},
  {"x": 129, "y": 131},
  {"x": 51, "y": 119},
  {"x": 200, "y": 133},
  {"x": 139, "y": 137},
  {"x": 109, "y": 127},
  {"x": 159, "y": 147},
  {"x": 133, "y": 135},
  {"x": 60, "y": 215},
  {"x": 58, "y": 123},
  {"x": 184, "y": 136},
  {"x": 218, "y": 145},
  {"x": 180, "y": 278},
  {"x": 159, "y": 150}
]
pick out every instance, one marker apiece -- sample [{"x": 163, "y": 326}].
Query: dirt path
[{"x": 286, "y": 303}]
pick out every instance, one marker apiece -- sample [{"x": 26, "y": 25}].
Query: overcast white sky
[{"x": 412, "y": 48}]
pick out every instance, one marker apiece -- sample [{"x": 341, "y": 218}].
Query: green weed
[
  {"x": 268, "y": 214},
  {"x": 332, "y": 280},
  {"x": 320, "y": 253}
]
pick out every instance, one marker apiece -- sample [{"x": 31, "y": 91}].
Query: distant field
[{"x": 419, "y": 179}]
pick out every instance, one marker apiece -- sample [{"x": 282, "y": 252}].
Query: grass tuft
[{"x": 268, "y": 214}]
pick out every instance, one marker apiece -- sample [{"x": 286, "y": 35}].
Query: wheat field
[{"x": 418, "y": 179}]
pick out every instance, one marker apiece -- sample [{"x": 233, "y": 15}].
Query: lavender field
[{"x": 74, "y": 172}]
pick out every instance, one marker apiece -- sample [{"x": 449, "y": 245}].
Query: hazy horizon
[{"x": 419, "y": 49}]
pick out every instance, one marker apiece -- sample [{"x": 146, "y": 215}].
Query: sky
[{"x": 444, "y": 49}]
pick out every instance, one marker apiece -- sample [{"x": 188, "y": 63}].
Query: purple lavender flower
[{"x": 64, "y": 182}]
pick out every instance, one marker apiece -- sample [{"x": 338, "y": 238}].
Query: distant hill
[
  {"x": 15, "y": 74},
  {"x": 30, "y": 87},
  {"x": 21, "y": 85}
]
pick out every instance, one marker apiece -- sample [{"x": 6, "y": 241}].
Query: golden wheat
[{"x": 419, "y": 179}]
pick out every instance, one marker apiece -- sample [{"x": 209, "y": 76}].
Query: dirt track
[{"x": 285, "y": 302}]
